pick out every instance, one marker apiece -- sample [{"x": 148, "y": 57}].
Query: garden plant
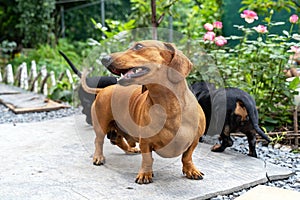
[
  {"x": 256, "y": 64},
  {"x": 251, "y": 58}
]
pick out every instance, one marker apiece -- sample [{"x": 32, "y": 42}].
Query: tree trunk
[{"x": 154, "y": 21}]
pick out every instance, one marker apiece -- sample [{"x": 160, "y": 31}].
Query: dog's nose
[{"x": 106, "y": 60}]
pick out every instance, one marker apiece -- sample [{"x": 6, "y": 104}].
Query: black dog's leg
[
  {"x": 251, "y": 136},
  {"x": 225, "y": 141}
]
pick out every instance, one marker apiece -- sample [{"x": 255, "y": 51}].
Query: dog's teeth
[
  {"x": 138, "y": 70},
  {"x": 122, "y": 75}
]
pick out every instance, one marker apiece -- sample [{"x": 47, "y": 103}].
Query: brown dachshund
[{"x": 151, "y": 105}]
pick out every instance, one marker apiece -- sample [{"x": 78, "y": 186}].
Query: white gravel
[
  {"x": 7, "y": 116},
  {"x": 282, "y": 156}
]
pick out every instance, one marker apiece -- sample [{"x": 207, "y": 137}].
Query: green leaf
[
  {"x": 271, "y": 120},
  {"x": 286, "y": 33},
  {"x": 238, "y": 26},
  {"x": 277, "y": 23},
  {"x": 234, "y": 37},
  {"x": 294, "y": 84},
  {"x": 296, "y": 37}
]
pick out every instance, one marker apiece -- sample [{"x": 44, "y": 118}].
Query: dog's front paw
[
  {"x": 144, "y": 178},
  {"x": 217, "y": 148},
  {"x": 192, "y": 172},
  {"x": 98, "y": 160},
  {"x": 252, "y": 154}
]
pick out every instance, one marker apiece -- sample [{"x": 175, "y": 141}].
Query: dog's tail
[
  {"x": 75, "y": 70},
  {"x": 82, "y": 76},
  {"x": 86, "y": 87},
  {"x": 253, "y": 115},
  {"x": 261, "y": 133}
]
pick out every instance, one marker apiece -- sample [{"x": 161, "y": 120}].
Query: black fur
[
  {"x": 219, "y": 106},
  {"x": 87, "y": 99}
]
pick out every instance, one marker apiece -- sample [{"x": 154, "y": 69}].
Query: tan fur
[
  {"x": 241, "y": 110},
  {"x": 85, "y": 86},
  {"x": 166, "y": 118},
  {"x": 291, "y": 72}
]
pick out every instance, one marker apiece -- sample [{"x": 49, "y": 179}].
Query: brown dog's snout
[{"x": 106, "y": 60}]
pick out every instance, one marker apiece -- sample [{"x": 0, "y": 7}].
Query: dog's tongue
[
  {"x": 126, "y": 75},
  {"x": 129, "y": 72}
]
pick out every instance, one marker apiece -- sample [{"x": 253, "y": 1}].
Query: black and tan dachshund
[
  {"x": 228, "y": 110},
  {"x": 87, "y": 99}
]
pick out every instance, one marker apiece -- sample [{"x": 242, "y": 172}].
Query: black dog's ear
[{"x": 180, "y": 65}]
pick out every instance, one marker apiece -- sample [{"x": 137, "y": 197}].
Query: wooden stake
[
  {"x": 296, "y": 125},
  {"x": 33, "y": 75},
  {"x": 9, "y": 74}
]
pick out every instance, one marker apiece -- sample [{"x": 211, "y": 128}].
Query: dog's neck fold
[{"x": 163, "y": 94}]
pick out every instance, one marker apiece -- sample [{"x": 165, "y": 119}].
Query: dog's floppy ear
[{"x": 180, "y": 66}]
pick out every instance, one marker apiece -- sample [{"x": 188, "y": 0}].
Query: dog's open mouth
[{"x": 130, "y": 73}]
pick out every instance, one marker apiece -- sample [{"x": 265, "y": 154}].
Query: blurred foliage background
[{"x": 37, "y": 29}]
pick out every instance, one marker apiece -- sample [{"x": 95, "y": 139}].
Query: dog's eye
[{"x": 137, "y": 47}]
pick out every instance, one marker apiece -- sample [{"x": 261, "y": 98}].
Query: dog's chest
[
  {"x": 171, "y": 127},
  {"x": 184, "y": 134}
]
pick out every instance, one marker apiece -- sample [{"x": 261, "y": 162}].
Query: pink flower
[
  {"x": 261, "y": 29},
  {"x": 208, "y": 27},
  {"x": 220, "y": 41},
  {"x": 209, "y": 36},
  {"x": 294, "y": 18},
  {"x": 249, "y": 16},
  {"x": 294, "y": 49},
  {"x": 218, "y": 25}
]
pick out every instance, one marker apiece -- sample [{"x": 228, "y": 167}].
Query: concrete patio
[{"x": 53, "y": 160}]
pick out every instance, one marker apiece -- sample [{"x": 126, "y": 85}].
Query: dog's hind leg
[
  {"x": 251, "y": 136},
  {"x": 98, "y": 158},
  {"x": 188, "y": 167}
]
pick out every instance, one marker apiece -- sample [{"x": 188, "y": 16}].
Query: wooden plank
[
  {"x": 21, "y": 101},
  {"x": 50, "y": 105}
]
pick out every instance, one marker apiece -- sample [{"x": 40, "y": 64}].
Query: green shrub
[
  {"x": 49, "y": 56},
  {"x": 36, "y": 22},
  {"x": 256, "y": 66}
]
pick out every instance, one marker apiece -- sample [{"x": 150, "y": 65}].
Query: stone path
[
  {"x": 263, "y": 192},
  {"x": 52, "y": 160}
]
